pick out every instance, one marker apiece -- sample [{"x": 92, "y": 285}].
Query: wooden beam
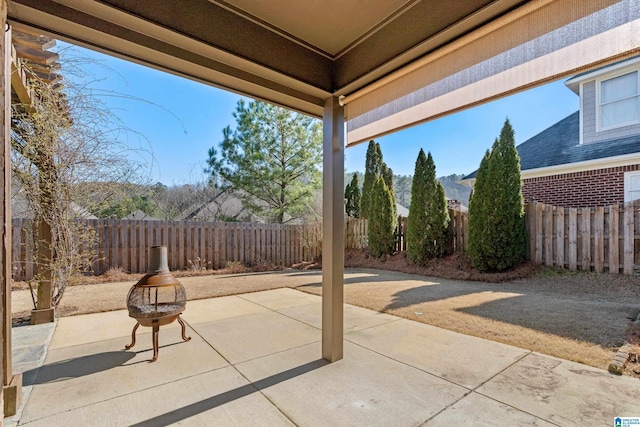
[
  {"x": 45, "y": 68},
  {"x": 38, "y": 42},
  {"x": 16, "y": 26},
  {"x": 43, "y": 57},
  {"x": 19, "y": 82},
  {"x": 49, "y": 78}
]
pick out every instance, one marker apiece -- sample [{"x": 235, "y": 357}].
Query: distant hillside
[
  {"x": 454, "y": 190},
  {"x": 402, "y": 186}
]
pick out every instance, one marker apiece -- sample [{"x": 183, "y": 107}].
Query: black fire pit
[{"x": 157, "y": 299}]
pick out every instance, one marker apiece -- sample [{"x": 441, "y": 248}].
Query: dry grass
[{"x": 119, "y": 274}]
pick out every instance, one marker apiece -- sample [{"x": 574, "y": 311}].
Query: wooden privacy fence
[
  {"x": 356, "y": 232},
  {"x": 599, "y": 239},
  {"x": 125, "y": 244}
]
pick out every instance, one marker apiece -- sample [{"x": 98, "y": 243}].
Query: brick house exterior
[
  {"x": 599, "y": 187},
  {"x": 591, "y": 157}
]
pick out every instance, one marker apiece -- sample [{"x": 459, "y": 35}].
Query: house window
[
  {"x": 631, "y": 186},
  {"x": 619, "y": 101}
]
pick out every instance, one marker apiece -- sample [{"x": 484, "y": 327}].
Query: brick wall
[{"x": 601, "y": 187}]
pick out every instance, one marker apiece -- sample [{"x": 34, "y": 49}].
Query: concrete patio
[{"x": 254, "y": 359}]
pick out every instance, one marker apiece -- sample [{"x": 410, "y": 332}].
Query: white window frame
[
  {"x": 627, "y": 184},
  {"x": 604, "y": 78}
]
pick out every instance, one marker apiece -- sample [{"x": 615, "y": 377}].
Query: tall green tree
[
  {"x": 353, "y": 196},
  {"x": 381, "y": 227},
  {"x": 387, "y": 175},
  {"x": 372, "y": 170},
  {"x": 427, "y": 232},
  {"x": 271, "y": 159},
  {"x": 496, "y": 209}
]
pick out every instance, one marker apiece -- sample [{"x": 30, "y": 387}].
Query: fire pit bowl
[{"x": 157, "y": 299}]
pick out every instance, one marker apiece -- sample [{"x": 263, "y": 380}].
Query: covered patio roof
[
  {"x": 384, "y": 58},
  {"x": 381, "y": 65}
]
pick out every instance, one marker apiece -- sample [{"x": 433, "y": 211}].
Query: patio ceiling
[
  {"x": 290, "y": 52},
  {"x": 395, "y": 63}
]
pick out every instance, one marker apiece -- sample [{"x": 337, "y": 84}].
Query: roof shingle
[{"x": 560, "y": 144}]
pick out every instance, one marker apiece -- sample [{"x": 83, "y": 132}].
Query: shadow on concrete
[
  {"x": 78, "y": 367},
  {"x": 196, "y": 408}
]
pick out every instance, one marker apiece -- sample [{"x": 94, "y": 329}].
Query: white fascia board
[{"x": 574, "y": 82}]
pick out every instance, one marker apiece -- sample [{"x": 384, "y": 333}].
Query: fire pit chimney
[{"x": 157, "y": 299}]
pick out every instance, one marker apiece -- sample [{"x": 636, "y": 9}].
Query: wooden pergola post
[
  {"x": 12, "y": 384},
  {"x": 332, "y": 230},
  {"x": 44, "y": 312}
]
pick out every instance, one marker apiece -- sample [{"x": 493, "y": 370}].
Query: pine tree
[
  {"x": 496, "y": 213},
  {"x": 353, "y": 196},
  {"x": 381, "y": 226},
  {"x": 427, "y": 233},
  {"x": 270, "y": 159},
  {"x": 372, "y": 170}
]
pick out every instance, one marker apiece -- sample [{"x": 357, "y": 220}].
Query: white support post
[{"x": 333, "y": 230}]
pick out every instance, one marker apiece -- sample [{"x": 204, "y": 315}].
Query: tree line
[
  {"x": 402, "y": 187},
  {"x": 496, "y": 208}
]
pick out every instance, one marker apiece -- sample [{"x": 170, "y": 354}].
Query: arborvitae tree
[
  {"x": 496, "y": 213},
  {"x": 381, "y": 225},
  {"x": 372, "y": 170},
  {"x": 427, "y": 233},
  {"x": 387, "y": 175},
  {"x": 417, "y": 219},
  {"x": 439, "y": 224},
  {"x": 478, "y": 204},
  {"x": 353, "y": 196}
]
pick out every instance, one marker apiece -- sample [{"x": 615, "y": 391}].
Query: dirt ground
[{"x": 572, "y": 315}]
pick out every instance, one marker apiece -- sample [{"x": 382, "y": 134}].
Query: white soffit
[{"x": 537, "y": 43}]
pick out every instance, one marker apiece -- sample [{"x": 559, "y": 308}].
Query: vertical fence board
[
  {"x": 539, "y": 213},
  {"x": 573, "y": 239},
  {"x": 586, "y": 239},
  {"x": 614, "y": 239},
  {"x": 548, "y": 236},
  {"x": 560, "y": 237},
  {"x": 598, "y": 239},
  {"x": 629, "y": 237}
]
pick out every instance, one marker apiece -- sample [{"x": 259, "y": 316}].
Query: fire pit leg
[
  {"x": 156, "y": 332},
  {"x": 133, "y": 337},
  {"x": 184, "y": 336}
]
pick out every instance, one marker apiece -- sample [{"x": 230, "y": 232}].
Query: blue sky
[{"x": 181, "y": 119}]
